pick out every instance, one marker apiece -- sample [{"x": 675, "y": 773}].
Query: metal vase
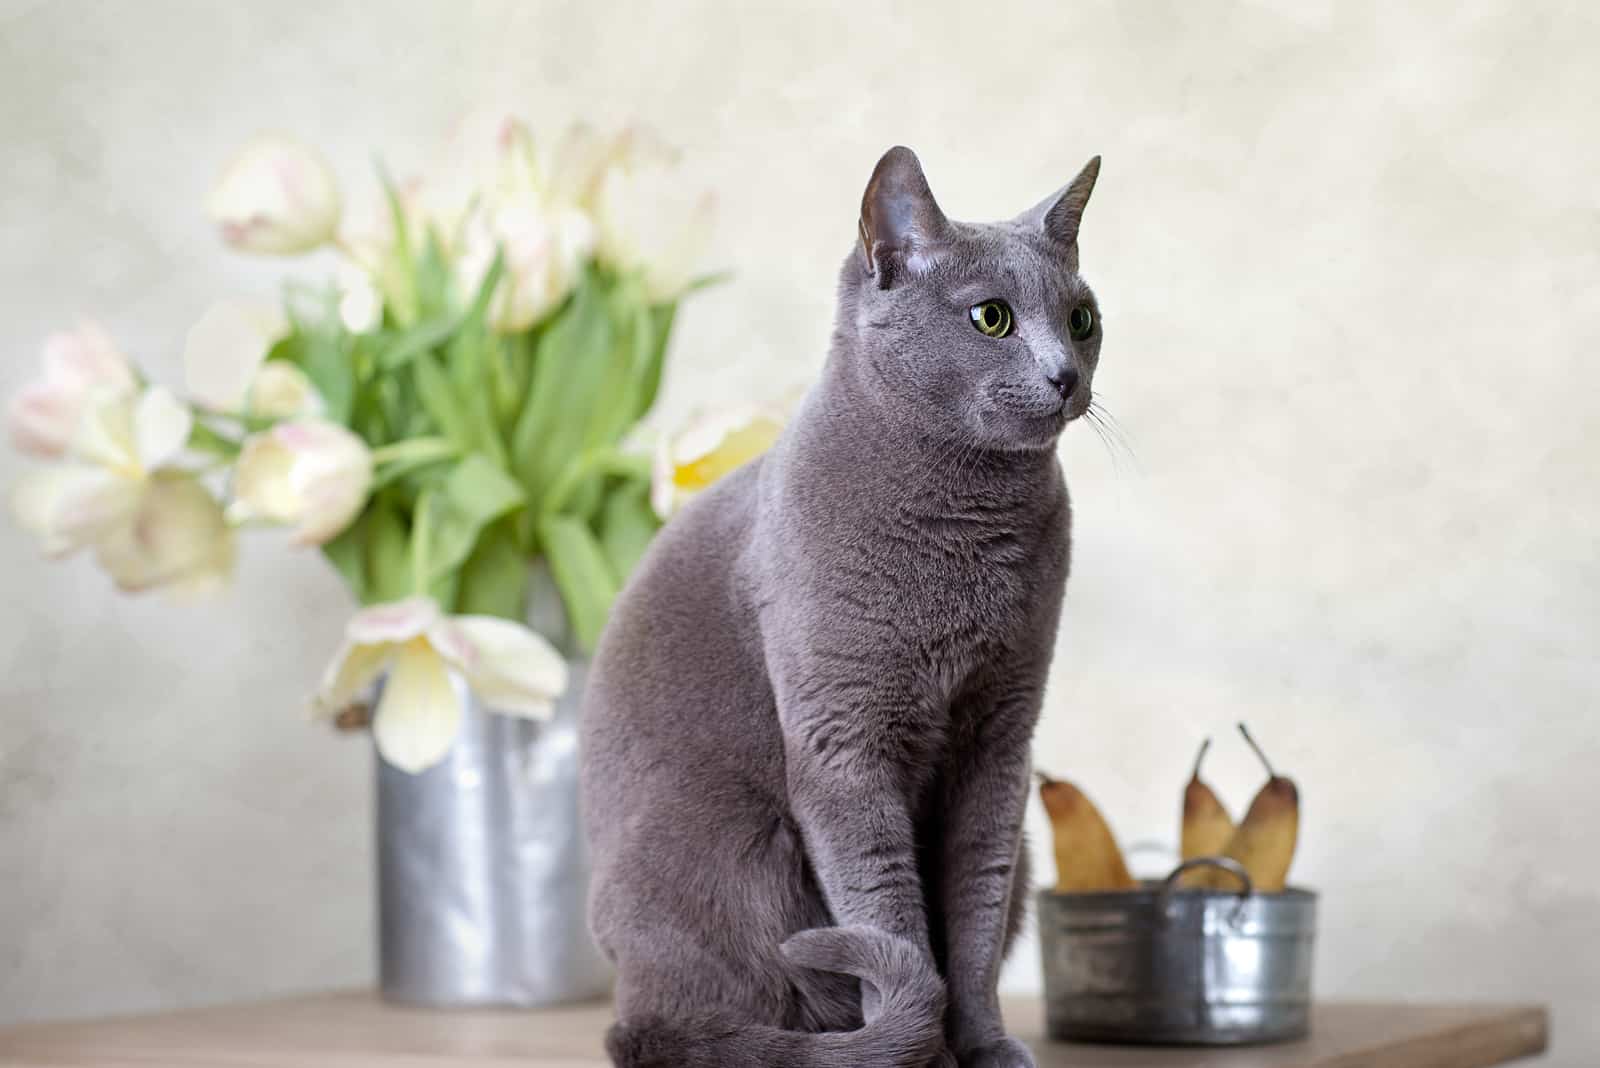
[{"x": 482, "y": 870}]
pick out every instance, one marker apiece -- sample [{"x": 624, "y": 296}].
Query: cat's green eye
[
  {"x": 992, "y": 318},
  {"x": 1080, "y": 322}
]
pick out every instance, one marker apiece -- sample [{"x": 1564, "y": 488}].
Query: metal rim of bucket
[{"x": 1169, "y": 885}]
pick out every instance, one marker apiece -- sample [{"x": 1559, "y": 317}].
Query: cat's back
[{"x": 678, "y": 669}]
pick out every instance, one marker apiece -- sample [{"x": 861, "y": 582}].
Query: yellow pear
[
  {"x": 1207, "y": 827},
  {"x": 1087, "y": 855},
  {"x": 1264, "y": 843}
]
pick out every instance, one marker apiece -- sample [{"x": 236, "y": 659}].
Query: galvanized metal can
[
  {"x": 482, "y": 869},
  {"x": 1164, "y": 965}
]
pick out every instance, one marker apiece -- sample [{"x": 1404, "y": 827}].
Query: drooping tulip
[
  {"x": 149, "y": 523},
  {"x": 276, "y": 197},
  {"x": 507, "y": 666},
  {"x": 78, "y": 365},
  {"x": 309, "y": 473},
  {"x": 177, "y": 536}
]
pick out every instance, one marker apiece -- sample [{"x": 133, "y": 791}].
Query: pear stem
[
  {"x": 1263, "y": 756},
  {"x": 1042, "y": 777},
  {"x": 1194, "y": 776}
]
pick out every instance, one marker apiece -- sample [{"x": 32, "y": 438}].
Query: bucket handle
[{"x": 1169, "y": 885}]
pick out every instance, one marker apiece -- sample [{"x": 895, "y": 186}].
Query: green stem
[
  {"x": 414, "y": 450},
  {"x": 207, "y": 439}
]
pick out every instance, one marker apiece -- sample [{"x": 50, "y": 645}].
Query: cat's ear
[
  {"x": 902, "y": 228},
  {"x": 1058, "y": 215}
]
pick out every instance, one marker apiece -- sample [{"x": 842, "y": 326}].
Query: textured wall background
[{"x": 1348, "y": 256}]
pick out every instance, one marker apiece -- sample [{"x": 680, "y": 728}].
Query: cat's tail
[{"x": 906, "y": 1028}]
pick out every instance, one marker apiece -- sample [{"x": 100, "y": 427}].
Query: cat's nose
[{"x": 1065, "y": 379}]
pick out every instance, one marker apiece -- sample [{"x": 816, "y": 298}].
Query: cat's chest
[{"x": 958, "y": 584}]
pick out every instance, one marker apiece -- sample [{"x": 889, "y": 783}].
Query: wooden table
[{"x": 358, "y": 1031}]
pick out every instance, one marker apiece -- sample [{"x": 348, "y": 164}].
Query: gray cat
[{"x": 806, "y": 747}]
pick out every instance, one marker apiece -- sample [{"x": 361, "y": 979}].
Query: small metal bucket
[{"x": 1164, "y": 965}]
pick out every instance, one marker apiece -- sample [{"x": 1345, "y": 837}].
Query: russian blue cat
[{"x": 806, "y": 744}]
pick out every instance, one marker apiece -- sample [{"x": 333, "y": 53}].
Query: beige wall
[{"x": 1347, "y": 255}]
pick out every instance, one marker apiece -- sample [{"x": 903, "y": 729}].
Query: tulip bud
[
  {"x": 282, "y": 391},
  {"x": 309, "y": 473},
  {"x": 277, "y": 197},
  {"x": 78, "y": 366}
]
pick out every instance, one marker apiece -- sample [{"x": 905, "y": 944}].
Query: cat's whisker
[
  {"x": 1112, "y": 435},
  {"x": 1117, "y": 449}
]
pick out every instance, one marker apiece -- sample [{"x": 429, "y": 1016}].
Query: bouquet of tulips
[{"x": 454, "y": 405}]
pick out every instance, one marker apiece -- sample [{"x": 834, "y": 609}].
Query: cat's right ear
[
  {"x": 902, "y": 228},
  {"x": 1060, "y": 214}
]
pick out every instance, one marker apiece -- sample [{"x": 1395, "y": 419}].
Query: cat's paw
[{"x": 1005, "y": 1052}]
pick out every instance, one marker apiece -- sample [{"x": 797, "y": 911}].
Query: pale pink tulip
[
  {"x": 277, "y": 197},
  {"x": 78, "y": 365},
  {"x": 507, "y": 666},
  {"x": 149, "y": 524},
  {"x": 309, "y": 473}
]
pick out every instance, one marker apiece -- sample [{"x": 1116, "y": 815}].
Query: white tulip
[
  {"x": 277, "y": 196},
  {"x": 487, "y": 156},
  {"x": 150, "y": 525},
  {"x": 309, "y": 473},
  {"x": 649, "y": 223},
  {"x": 507, "y": 666},
  {"x": 78, "y": 365},
  {"x": 708, "y": 448},
  {"x": 226, "y": 346},
  {"x": 176, "y": 537},
  {"x": 544, "y": 247}
]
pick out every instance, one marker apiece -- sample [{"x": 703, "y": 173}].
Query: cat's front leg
[
  {"x": 985, "y": 793},
  {"x": 849, "y": 797}
]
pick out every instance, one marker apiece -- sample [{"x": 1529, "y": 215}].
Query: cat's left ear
[
  {"x": 902, "y": 228},
  {"x": 1060, "y": 214}
]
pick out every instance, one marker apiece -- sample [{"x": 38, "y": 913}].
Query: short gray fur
[{"x": 814, "y": 702}]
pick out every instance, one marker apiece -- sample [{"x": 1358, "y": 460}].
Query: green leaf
[
  {"x": 450, "y": 517},
  {"x": 469, "y": 346},
  {"x": 347, "y": 554},
  {"x": 438, "y": 397},
  {"x": 401, "y": 291},
  {"x": 494, "y": 579},
  {"x": 319, "y": 350},
  {"x": 413, "y": 341},
  {"x": 435, "y": 280},
  {"x": 388, "y": 555},
  {"x": 581, "y": 574},
  {"x": 571, "y": 361},
  {"x": 661, "y": 319},
  {"x": 627, "y": 526}
]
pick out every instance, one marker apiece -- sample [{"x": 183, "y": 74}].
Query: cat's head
[{"x": 981, "y": 331}]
